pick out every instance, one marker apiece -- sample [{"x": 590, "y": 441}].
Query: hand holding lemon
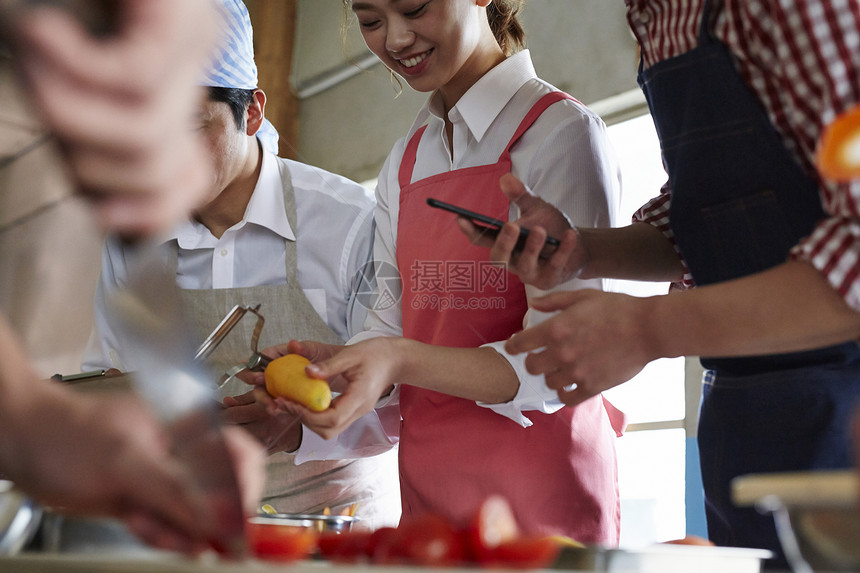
[{"x": 285, "y": 377}]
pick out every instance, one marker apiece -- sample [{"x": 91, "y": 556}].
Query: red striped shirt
[{"x": 802, "y": 60}]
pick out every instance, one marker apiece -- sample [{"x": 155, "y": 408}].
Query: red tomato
[
  {"x": 493, "y": 524},
  {"x": 346, "y": 547},
  {"x": 431, "y": 540},
  {"x": 384, "y": 546},
  {"x": 527, "y": 552},
  {"x": 280, "y": 542}
]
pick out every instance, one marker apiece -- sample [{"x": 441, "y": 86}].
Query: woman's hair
[{"x": 506, "y": 27}]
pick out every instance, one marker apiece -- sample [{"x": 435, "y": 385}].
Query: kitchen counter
[
  {"x": 117, "y": 564},
  {"x": 657, "y": 559}
]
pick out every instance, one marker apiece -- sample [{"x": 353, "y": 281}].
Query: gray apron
[{"x": 311, "y": 486}]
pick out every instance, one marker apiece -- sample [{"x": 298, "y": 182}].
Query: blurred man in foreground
[{"x": 119, "y": 107}]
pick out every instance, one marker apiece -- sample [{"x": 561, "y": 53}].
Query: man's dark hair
[{"x": 238, "y": 100}]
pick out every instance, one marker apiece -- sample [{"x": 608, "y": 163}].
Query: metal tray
[
  {"x": 663, "y": 559},
  {"x": 319, "y": 522}
]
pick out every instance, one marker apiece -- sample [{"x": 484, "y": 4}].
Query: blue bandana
[{"x": 233, "y": 65}]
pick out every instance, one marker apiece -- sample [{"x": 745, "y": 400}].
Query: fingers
[
  {"x": 277, "y": 351},
  {"x": 529, "y": 340},
  {"x": 149, "y": 37},
  {"x": 516, "y": 191},
  {"x": 334, "y": 420},
  {"x": 527, "y": 261},
  {"x": 331, "y": 367},
  {"x": 296, "y": 347},
  {"x": 285, "y": 434},
  {"x": 156, "y": 533},
  {"x": 343, "y": 411},
  {"x": 558, "y": 300},
  {"x": 159, "y": 486},
  {"x": 503, "y": 248},
  {"x": 249, "y": 463},
  {"x": 314, "y": 351},
  {"x": 574, "y": 396},
  {"x": 244, "y": 414},
  {"x": 557, "y": 260},
  {"x": 476, "y": 235},
  {"x": 240, "y": 400},
  {"x": 264, "y": 399}
]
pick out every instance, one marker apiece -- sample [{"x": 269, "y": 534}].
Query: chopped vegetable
[{"x": 838, "y": 154}]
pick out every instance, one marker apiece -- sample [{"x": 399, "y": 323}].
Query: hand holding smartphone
[{"x": 489, "y": 225}]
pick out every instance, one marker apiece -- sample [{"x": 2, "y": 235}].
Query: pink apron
[{"x": 560, "y": 474}]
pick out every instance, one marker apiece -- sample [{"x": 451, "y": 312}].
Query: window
[{"x": 651, "y": 455}]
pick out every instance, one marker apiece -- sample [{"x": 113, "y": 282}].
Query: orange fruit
[{"x": 286, "y": 378}]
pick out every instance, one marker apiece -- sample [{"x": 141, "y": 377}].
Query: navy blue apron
[{"x": 739, "y": 203}]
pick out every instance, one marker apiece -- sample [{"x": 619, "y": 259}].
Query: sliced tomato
[
  {"x": 346, "y": 547},
  {"x": 492, "y": 524},
  {"x": 526, "y": 552},
  {"x": 279, "y": 542},
  {"x": 431, "y": 541}
]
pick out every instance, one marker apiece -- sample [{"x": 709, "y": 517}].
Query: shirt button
[
  {"x": 223, "y": 252},
  {"x": 644, "y": 17}
]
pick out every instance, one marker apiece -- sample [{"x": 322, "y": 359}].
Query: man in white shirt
[{"x": 290, "y": 237}]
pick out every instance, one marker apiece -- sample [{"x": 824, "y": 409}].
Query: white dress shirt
[
  {"x": 334, "y": 237},
  {"x": 564, "y": 158}
]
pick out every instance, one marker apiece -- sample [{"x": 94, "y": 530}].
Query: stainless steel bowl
[{"x": 318, "y": 522}]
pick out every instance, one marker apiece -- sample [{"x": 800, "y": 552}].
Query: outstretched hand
[
  {"x": 273, "y": 421},
  {"x": 597, "y": 341},
  {"x": 362, "y": 372},
  {"x": 109, "y": 456}
]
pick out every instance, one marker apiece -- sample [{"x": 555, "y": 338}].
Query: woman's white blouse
[{"x": 565, "y": 158}]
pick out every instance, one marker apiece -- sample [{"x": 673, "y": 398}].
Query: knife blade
[{"x": 178, "y": 389}]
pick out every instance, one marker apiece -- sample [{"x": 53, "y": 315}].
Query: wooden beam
[{"x": 274, "y": 24}]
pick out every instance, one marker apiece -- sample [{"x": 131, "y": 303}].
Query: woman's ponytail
[{"x": 507, "y": 29}]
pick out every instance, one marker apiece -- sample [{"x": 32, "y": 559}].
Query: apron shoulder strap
[
  {"x": 535, "y": 112},
  {"x": 289, "y": 194},
  {"x": 290, "y": 209},
  {"x": 407, "y": 163}
]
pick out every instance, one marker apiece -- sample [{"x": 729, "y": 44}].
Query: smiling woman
[
  {"x": 405, "y": 37},
  {"x": 487, "y": 114}
]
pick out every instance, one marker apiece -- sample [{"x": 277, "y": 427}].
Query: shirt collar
[
  {"x": 265, "y": 209},
  {"x": 484, "y": 101}
]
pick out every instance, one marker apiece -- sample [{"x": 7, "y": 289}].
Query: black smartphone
[{"x": 490, "y": 225}]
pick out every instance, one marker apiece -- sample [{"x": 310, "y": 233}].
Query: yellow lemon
[{"x": 285, "y": 377}]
